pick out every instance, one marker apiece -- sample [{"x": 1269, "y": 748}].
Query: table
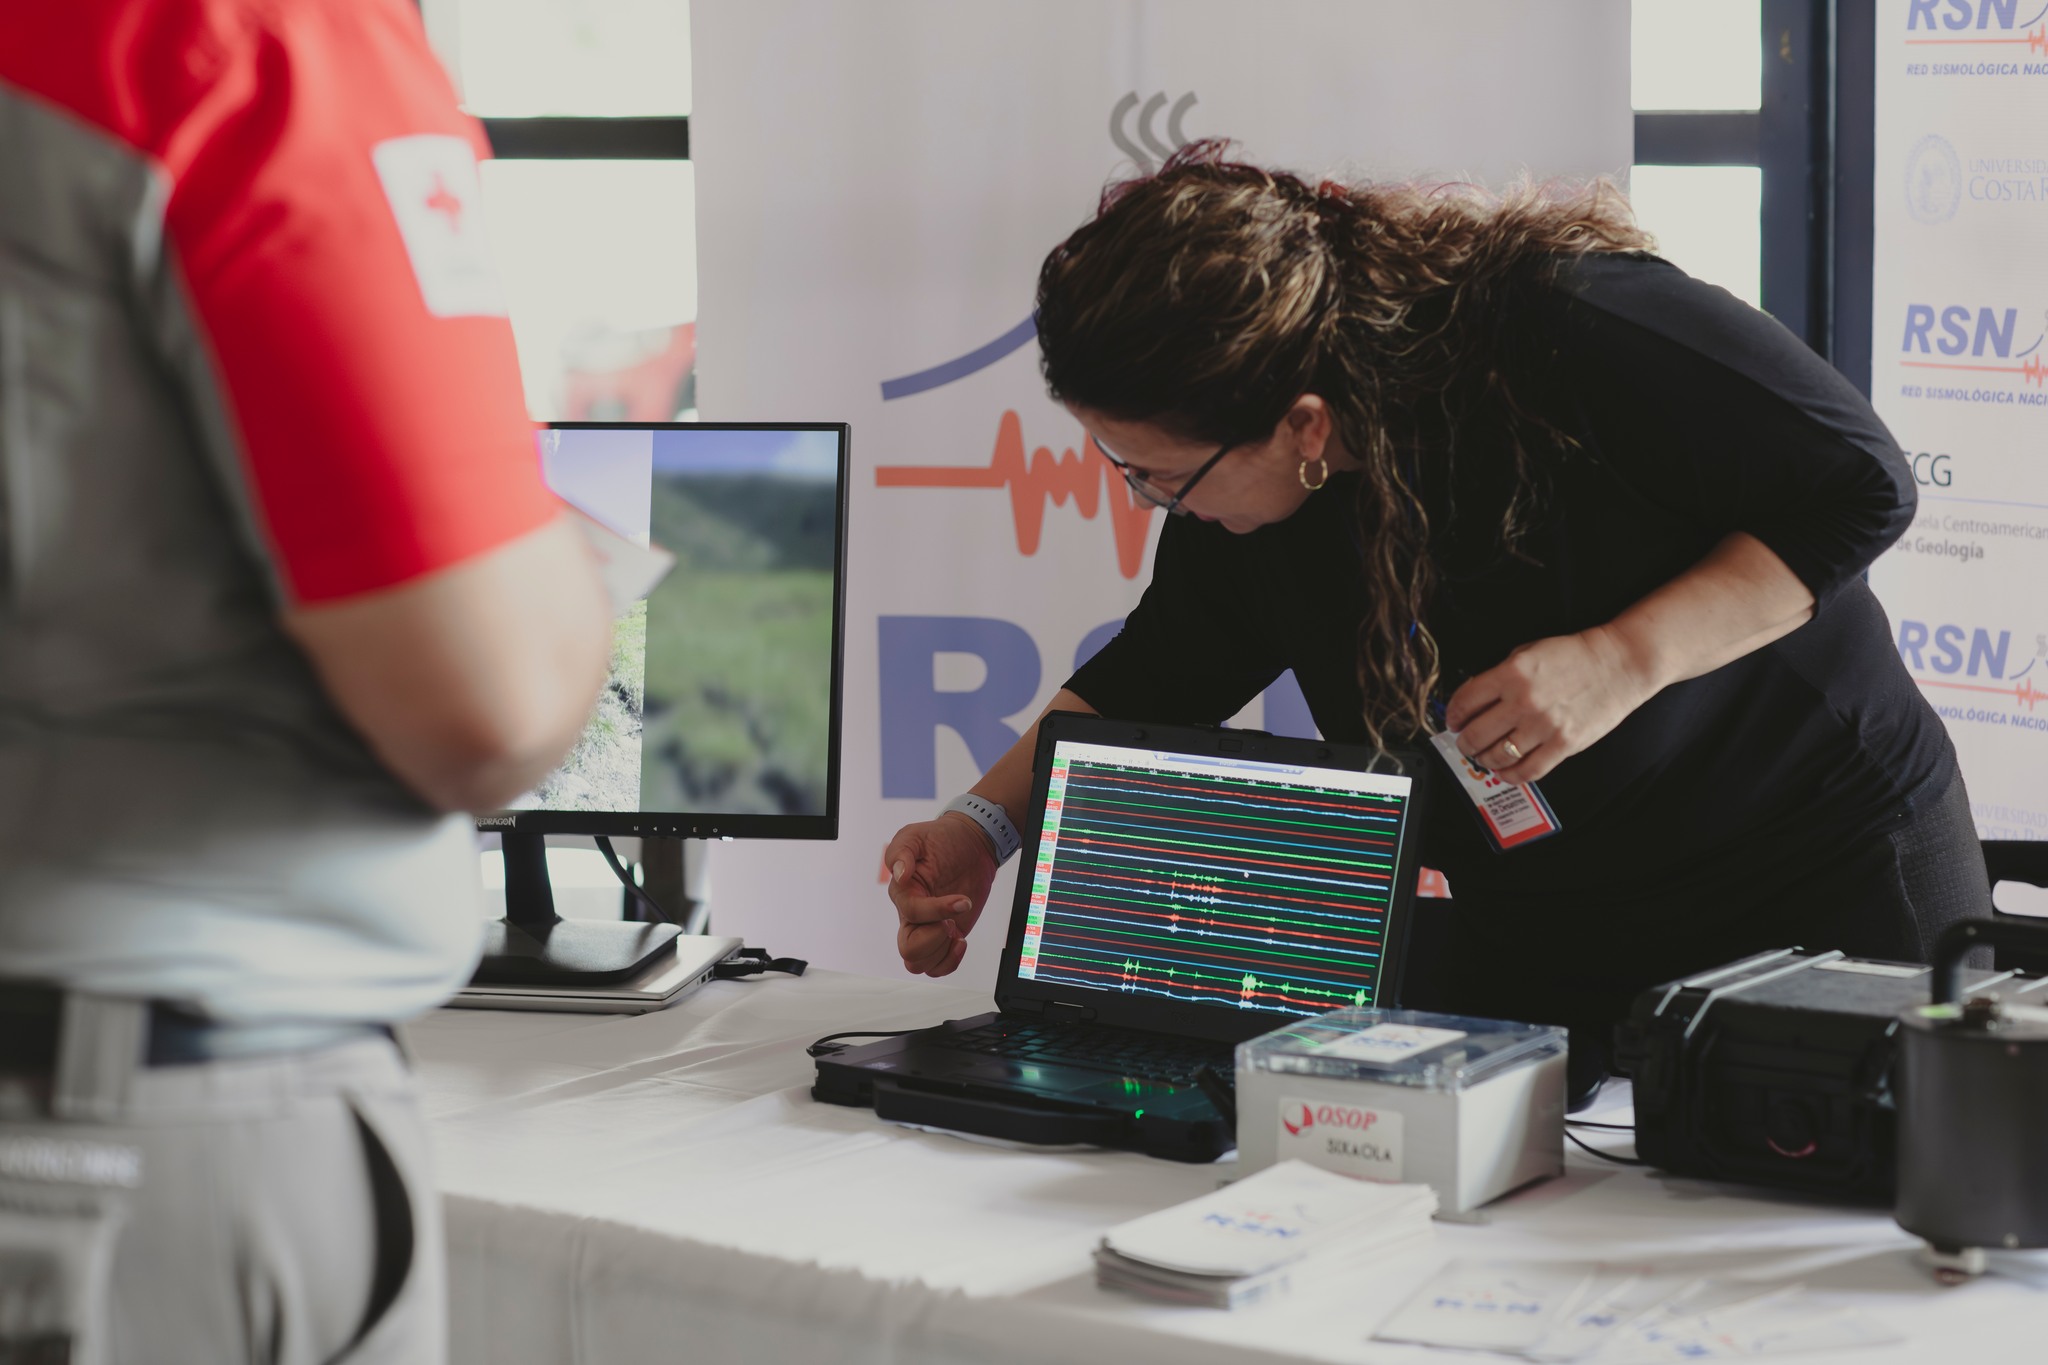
[{"x": 656, "y": 1187}]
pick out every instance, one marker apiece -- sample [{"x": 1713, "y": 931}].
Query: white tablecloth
[{"x": 661, "y": 1187}]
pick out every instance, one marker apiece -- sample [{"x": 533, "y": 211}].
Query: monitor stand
[{"x": 533, "y": 946}]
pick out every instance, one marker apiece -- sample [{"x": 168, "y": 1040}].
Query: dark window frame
[
  {"x": 589, "y": 139},
  {"x": 1854, "y": 168},
  {"x": 1792, "y": 139}
]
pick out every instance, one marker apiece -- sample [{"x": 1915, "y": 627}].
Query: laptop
[
  {"x": 1188, "y": 888},
  {"x": 688, "y": 962}
]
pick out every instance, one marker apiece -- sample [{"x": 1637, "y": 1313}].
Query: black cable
[
  {"x": 818, "y": 1048},
  {"x": 1606, "y": 1156},
  {"x": 633, "y": 888},
  {"x": 1610, "y": 1127}
]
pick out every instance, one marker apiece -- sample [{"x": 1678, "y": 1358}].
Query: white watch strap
[{"x": 994, "y": 822}]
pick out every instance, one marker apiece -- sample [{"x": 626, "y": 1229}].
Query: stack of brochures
[
  {"x": 1579, "y": 1311},
  {"x": 1269, "y": 1233}
]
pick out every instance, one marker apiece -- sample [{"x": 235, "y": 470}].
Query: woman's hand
[
  {"x": 939, "y": 875},
  {"x": 1552, "y": 698},
  {"x": 1549, "y": 699}
]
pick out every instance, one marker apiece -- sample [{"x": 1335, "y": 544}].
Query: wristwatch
[{"x": 994, "y": 822}]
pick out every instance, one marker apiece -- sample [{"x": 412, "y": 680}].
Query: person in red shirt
[{"x": 281, "y": 594}]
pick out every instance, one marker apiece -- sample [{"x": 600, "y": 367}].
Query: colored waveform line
[
  {"x": 1236, "y": 987},
  {"x": 1368, "y": 890},
  {"x": 1040, "y": 479},
  {"x": 1354, "y": 887},
  {"x": 1338, "y": 976},
  {"x": 1367, "y": 819},
  {"x": 2036, "y": 41},
  {"x": 1228, "y": 932},
  {"x": 2026, "y": 693},
  {"x": 1109, "y": 820},
  {"x": 1174, "y": 971},
  {"x": 1083, "y": 957},
  {"x": 1093, "y": 921},
  {"x": 1199, "y": 995},
  {"x": 1209, "y": 851},
  {"x": 1130, "y": 834},
  {"x": 1236, "y": 960},
  {"x": 1259, "y": 824},
  {"x": 1221, "y": 895},
  {"x": 1188, "y": 785},
  {"x": 2034, "y": 371}
]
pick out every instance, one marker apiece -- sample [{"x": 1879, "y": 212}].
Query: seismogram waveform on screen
[
  {"x": 1212, "y": 889},
  {"x": 1043, "y": 477}
]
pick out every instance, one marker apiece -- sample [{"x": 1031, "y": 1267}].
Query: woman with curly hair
[{"x": 1485, "y": 465}]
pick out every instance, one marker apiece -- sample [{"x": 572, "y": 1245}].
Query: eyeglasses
[{"x": 1156, "y": 495}]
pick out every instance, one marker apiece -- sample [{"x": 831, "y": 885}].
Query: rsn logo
[
  {"x": 1949, "y": 650},
  {"x": 1153, "y": 151},
  {"x": 1962, "y": 330},
  {"x": 1348, "y": 1117},
  {"x": 1956, "y": 16},
  {"x": 1984, "y": 335}
]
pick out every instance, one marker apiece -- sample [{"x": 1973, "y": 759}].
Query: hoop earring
[{"x": 1302, "y": 473}]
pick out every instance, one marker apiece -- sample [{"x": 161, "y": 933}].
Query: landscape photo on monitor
[{"x": 720, "y": 693}]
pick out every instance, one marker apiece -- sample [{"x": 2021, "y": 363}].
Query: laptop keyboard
[{"x": 1151, "y": 1056}]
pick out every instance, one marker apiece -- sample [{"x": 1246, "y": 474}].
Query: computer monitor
[{"x": 721, "y": 715}]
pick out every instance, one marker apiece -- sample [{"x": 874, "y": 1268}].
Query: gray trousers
[{"x": 276, "y": 1209}]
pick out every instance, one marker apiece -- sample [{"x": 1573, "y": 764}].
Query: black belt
[{"x": 31, "y": 1018}]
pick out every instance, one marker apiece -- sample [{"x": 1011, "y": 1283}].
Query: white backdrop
[
  {"x": 877, "y": 184},
  {"x": 1959, "y": 316}
]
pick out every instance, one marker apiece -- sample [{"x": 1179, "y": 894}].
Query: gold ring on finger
[{"x": 1507, "y": 746}]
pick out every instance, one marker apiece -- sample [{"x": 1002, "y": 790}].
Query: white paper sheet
[{"x": 1489, "y": 1305}]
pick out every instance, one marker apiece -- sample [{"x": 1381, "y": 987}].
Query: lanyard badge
[{"x": 1512, "y": 814}]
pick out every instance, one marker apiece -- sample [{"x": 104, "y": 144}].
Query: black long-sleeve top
[{"x": 1692, "y": 416}]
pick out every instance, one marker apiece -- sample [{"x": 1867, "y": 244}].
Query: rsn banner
[
  {"x": 1959, "y": 319},
  {"x": 876, "y": 186}
]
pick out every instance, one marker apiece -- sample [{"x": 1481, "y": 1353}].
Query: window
[
  {"x": 592, "y": 198},
  {"x": 1733, "y": 166},
  {"x": 569, "y": 58},
  {"x": 1690, "y": 54},
  {"x": 1693, "y": 57}
]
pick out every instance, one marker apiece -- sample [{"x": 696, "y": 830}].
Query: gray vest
[{"x": 183, "y": 814}]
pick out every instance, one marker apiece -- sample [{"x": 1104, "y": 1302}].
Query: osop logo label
[{"x": 1934, "y": 180}]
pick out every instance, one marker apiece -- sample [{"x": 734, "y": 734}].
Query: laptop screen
[{"x": 1215, "y": 880}]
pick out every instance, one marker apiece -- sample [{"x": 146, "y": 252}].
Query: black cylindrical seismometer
[{"x": 1973, "y": 1108}]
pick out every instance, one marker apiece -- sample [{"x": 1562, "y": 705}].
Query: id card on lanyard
[{"x": 1512, "y": 814}]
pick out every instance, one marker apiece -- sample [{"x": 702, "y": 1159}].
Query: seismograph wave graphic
[
  {"x": 2034, "y": 40},
  {"x": 2032, "y": 371},
  {"x": 1040, "y": 478},
  {"x": 2025, "y": 694}
]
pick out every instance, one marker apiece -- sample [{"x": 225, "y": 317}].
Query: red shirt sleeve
[
  {"x": 324, "y": 214},
  {"x": 330, "y": 230}
]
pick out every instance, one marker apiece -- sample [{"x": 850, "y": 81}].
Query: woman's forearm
[
  {"x": 1736, "y": 600},
  {"x": 1008, "y": 780}
]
